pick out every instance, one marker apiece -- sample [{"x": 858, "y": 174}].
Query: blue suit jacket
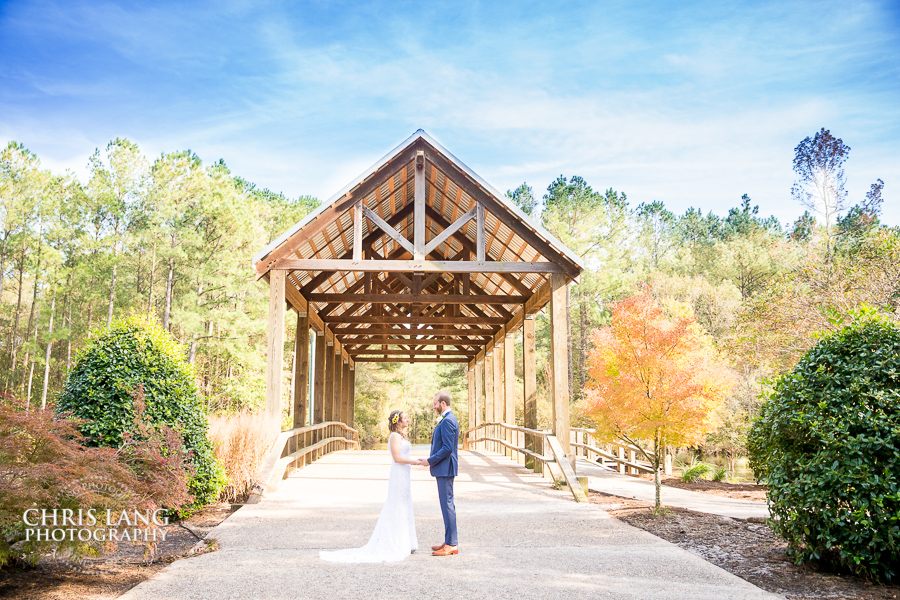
[{"x": 443, "y": 459}]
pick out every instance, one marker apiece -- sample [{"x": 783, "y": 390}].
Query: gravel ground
[{"x": 746, "y": 548}]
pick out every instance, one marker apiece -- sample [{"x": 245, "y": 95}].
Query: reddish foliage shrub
[{"x": 43, "y": 464}]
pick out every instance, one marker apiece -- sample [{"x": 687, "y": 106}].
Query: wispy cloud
[{"x": 692, "y": 104}]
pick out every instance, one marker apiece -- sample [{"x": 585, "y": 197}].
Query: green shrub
[
  {"x": 827, "y": 443},
  {"x": 137, "y": 352},
  {"x": 696, "y": 470},
  {"x": 720, "y": 473}
]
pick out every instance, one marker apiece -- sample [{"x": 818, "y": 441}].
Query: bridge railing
[
  {"x": 523, "y": 444},
  {"x": 295, "y": 448},
  {"x": 616, "y": 456}
]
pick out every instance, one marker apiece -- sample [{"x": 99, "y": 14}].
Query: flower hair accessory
[{"x": 395, "y": 418}]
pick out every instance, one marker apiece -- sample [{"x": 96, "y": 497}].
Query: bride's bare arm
[{"x": 394, "y": 444}]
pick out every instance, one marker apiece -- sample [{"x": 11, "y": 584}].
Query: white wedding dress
[{"x": 394, "y": 537}]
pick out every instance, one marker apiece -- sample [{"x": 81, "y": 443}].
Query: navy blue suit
[{"x": 444, "y": 464}]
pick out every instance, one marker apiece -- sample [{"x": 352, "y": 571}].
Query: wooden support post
[
  {"x": 499, "y": 402},
  {"x": 345, "y": 394},
  {"x": 319, "y": 379},
  {"x": 352, "y": 396},
  {"x": 338, "y": 384},
  {"x": 328, "y": 402},
  {"x": 419, "y": 211},
  {"x": 509, "y": 388},
  {"x": 559, "y": 363},
  {"x": 479, "y": 397},
  {"x": 471, "y": 395},
  {"x": 301, "y": 371},
  {"x": 479, "y": 232},
  {"x": 357, "y": 231},
  {"x": 489, "y": 391},
  {"x": 529, "y": 356},
  {"x": 275, "y": 355},
  {"x": 621, "y": 452}
]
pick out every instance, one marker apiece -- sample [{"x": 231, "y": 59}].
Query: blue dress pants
[{"x": 448, "y": 509}]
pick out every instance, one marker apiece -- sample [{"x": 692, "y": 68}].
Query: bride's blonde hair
[{"x": 394, "y": 421}]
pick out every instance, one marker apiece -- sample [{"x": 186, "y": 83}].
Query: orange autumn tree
[{"x": 655, "y": 380}]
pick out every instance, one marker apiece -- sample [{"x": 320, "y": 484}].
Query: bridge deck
[{"x": 519, "y": 538}]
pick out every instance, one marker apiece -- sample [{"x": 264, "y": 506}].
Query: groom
[{"x": 443, "y": 465}]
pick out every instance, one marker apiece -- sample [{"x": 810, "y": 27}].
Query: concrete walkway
[
  {"x": 519, "y": 538},
  {"x": 608, "y": 482}
]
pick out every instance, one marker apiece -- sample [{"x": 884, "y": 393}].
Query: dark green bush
[
  {"x": 827, "y": 442},
  {"x": 137, "y": 351}
]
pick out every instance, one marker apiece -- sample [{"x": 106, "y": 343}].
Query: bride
[{"x": 394, "y": 537}]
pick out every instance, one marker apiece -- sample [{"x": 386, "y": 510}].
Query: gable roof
[{"x": 512, "y": 210}]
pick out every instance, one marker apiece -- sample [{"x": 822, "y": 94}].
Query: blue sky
[{"x": 691, "y": 103}]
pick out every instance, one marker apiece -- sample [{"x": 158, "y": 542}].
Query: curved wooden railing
[
  {"x": 616, "y": 455},
  {"x": 551, "y": 460},
  {"x": 295, "y": 448}
]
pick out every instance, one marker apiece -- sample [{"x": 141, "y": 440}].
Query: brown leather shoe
[
  {"x": 446, "y": 551},
  {"x": 438, "y": 547}
]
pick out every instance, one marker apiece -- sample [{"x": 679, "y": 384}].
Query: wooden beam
[
  {"x": 414, "y": 333},
  {"x": 389, "y": 329},
  {"x": 509, "y": 387},
  {"x": 381, "y": 352},
  {"x": 449, "y": 231},
  {"x": 330, "y": 214},
  {"x": 472, "y": 248},
  {"x": 321, "y": 278},
  {"x": 413, "y": 266},
  {"x": 479, "y": 387},
  {"x": 395, "y": 359},
  {"x": 345, "y": 394},
  {"x": 489, "y": 386},
  {"x": 383, "y": 225},
  {"x": 319, "y": 380},
  {"x": 368, "y": 319},
  {"x": 470, "y": 376},
  {"x": 437, "y": 341},
  {"x": 482, "y": 196},
  {"x": 352, "y": 394},
  {"x": 329, "y": 382},
  {"x": 301, "y": 371},
  {"x": 529, "y": 356},
  {"x": 559, "y": 362},
  {"x": 337, "y": 401},
  {"x": 425, "y": 298},
  {"x": 357, "y": 231},
  {"x": 419, "y": 200},
  {"x": 275, "y": 354},
  {"x": 499, "y": 402},
  {"x": 479, "y": 236}
]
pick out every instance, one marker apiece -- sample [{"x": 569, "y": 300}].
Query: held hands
[{"x": 422, "y": 462}]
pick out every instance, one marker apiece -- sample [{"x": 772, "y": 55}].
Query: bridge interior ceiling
[{"x": 435, "y": 315}]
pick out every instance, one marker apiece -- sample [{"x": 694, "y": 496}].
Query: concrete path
[
  {"x": 608, "y": 482},
  {"x": 519, "y": 538}
]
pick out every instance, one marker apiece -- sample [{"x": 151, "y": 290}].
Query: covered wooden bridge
[{"x": 416, "y": 260}]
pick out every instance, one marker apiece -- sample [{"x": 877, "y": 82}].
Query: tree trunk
[
  {"x": 69, "y": 341},
  {"x": 583, "y": 341},
  {"x": 169, "y": 282},
  {"x": 47, "y": 355},
  {"x": 192, "y": 354},
  {"x": 37, "y": 274},
  {"x": 112, "y": 285},
  {"x": 14, "y": 334},
  {"x": 25, "y": 365},
  {"x": 3, "y": 262},
  {"x": 657, "y": 453},
  {"x": 152, "y": 275}
]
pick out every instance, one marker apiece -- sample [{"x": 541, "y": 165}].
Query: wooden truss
[{"x": 418, "y": 260}]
